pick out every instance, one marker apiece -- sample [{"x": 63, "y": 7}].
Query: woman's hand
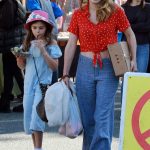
[
  {"x": 65, "y": 78},
  {"x": 132, "y": 46},
  {"x": 133, "y": 65}
]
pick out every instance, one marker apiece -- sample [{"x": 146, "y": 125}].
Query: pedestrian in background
[
  {"x": 138, "y": 14},
  {"x": 39, "y": 65},
  {"x": 12, "y": 18},
  {"x": 96, "y": 25},
  {"x": 148, "y": 69}
]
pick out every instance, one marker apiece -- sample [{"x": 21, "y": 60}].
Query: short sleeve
[
  {"x": 32, "y": 5},
  {"x": 73, "y": 27},
  {"x": 121, "y": 20},
  {"x": 54, "y": 51}
]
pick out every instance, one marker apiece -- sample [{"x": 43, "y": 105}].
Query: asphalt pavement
[{"x": 12, "y": 136}]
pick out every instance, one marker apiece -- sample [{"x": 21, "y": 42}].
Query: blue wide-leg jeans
[{"x": 96, "y": 89}]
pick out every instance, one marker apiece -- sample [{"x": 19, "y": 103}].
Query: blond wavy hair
[{"x": 104, "y": 9}]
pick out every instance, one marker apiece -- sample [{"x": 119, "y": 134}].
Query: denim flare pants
[{"x": 96, "y": 89}]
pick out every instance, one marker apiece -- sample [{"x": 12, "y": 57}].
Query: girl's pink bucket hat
[{"x": 38, "y": 15}]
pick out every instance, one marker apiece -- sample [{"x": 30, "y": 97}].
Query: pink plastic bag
[{"x": 73, "y": 127}]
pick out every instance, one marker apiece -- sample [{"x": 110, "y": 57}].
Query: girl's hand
[
  {"x": 133, "y": 66},
  {"x": 40, "y": 43},
  {"x": 21, "y": 62}
]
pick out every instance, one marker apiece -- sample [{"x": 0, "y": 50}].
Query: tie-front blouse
[{"x": 96, "y": 37}]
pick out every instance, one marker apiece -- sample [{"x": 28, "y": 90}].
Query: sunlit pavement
[{"x": 12, "y": 136}]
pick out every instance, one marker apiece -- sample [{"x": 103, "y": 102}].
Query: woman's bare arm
[
  {"x": 131, "y": 40},
  {"x": 69, "y": 53}
]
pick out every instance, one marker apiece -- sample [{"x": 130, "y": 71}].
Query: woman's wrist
[
  {"x": 65, "y": 76},
  {"x": 133, "y": 59}
]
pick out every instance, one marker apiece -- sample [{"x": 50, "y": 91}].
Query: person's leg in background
[
  {"x": 10, "y": 70},
  {"x": 20, "y": 81},
  {"x": 8, "y": 82},
  {"x": 19, "y": 78},
  {"x": 148, "y": 68},
  {"x": 142, "y": 57}
]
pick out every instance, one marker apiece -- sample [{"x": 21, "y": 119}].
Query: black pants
[{"x": 11, "y": 70}]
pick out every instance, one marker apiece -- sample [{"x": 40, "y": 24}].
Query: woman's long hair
[
  {"x": 29, "y": 37},
  {"x": 104, "y": 9},
  {"x": 142, "y": 4}
]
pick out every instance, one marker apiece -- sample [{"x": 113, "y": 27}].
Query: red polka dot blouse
[{"x": 96, "y": 37}]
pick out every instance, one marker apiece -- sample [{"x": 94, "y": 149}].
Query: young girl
[{"x": 42, "y": 59}]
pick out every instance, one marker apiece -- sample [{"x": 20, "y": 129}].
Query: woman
[
  {"x": 96, "y": 25},
  {"x": 138, "y": 14}
]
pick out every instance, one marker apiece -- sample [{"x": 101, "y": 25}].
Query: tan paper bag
[{"x": 120, "y": 57}]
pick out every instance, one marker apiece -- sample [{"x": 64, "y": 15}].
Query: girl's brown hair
[
  {"x": 104, "y": 9},
  {"x": 29, "y": 37}
]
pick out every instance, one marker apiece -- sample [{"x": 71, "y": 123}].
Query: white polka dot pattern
[{"x": 96, "y": 37}]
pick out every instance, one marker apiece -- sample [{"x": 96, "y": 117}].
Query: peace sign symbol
[{"x": 140, "y": 137}]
